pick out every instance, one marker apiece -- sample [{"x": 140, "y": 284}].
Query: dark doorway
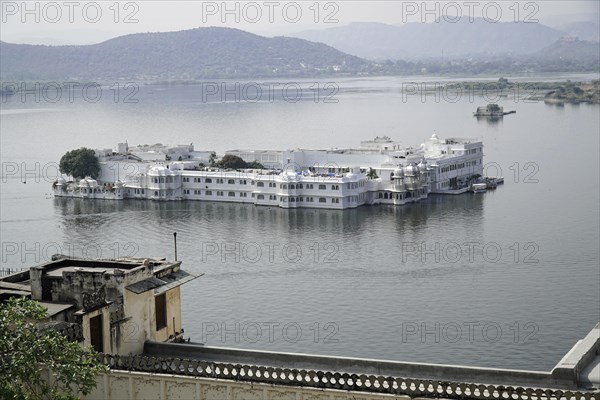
[
  {"x": 96, "y": 333},
  {"x": 160, "y": 304}
]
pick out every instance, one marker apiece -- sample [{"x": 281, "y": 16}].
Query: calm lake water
[{"x": 509, "y": 278}]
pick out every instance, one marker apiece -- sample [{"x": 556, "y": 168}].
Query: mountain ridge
[
  {"x": 201, "y": 54},
  {"x": 198, "y": 53},
  {"x": 460, "y": 39}
]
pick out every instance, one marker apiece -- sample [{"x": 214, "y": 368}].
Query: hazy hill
[
  {"x": 419, "y": 40},
  {"x": 370, "y": 39},
  {"x": 584, "y": 30},
  {"x": 185, "y": 55},
  {"x": 571, "y": 49}
]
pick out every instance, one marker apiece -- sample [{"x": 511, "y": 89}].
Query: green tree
[
  {"x": 212, "y": 159},
  {"x": 231, "y": 162},
  {"x": 372, "y": 174},
  {"x": 80, "y": 163},
  {"x": 255, "y": 165},
  {"x": 25, "y": 349}
]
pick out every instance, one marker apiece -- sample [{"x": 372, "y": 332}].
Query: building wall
[
  {"x": 120, "y": 170},
  {"x": 123, "y": 385},
  {"x": 129, "y": 335},
  {"x": 173, "y": 298},
  {"x": 141, "y": 308}
]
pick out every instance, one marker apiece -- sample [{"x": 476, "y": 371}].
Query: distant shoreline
[{"x": 552, "y": 92}]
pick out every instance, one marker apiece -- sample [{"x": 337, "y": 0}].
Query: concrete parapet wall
[
  {"x": 122, "y": 385},
  {"x": 365, "y": 385},
  {"x": 579, "y": 357},
  {"x": 359, "y": 366}
]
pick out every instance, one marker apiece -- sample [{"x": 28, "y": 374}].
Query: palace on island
[{"x": 380, "y": 171}]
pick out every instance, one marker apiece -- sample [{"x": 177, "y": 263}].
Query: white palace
[{"x": 380, "y": 171}]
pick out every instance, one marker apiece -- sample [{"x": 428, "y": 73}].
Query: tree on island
[
  {"x": 80, "y": 163},
  {"x": 255, "y": 165},
  {"x": 229, "y": 161},
  {"x": 25, "y": 349},
  {"x": 212, "y": 159},
  {"x": 372, "y": 174}
]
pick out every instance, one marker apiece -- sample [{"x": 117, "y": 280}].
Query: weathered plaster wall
[{"x": 139, "y": 386}]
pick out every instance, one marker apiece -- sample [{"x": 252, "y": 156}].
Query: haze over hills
[
  {"x": 584, "y": 30},
  {"x": 555, "y": 21},
  {"x": 571, "y": 49},
  {"x": 224, "y": 53},
  {"x": 185, "y": 55},
  {"x": 440, "y": 39}
]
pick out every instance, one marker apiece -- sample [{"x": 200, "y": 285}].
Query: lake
[{"x": 509, "y": 278}]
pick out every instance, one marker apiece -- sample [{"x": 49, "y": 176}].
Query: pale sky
[{"x": 85, "y": 22}]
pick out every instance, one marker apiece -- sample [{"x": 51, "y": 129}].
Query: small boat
[
  {"x": 479, "y": 187},
  {"x": 491, "y": 183},
  {"x": 491, "y": 110}
]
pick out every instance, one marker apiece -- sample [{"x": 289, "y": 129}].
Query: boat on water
[
  {"x": 491, "y": 183},
  {"x": 479, "y": 187},
  {"x": 491, "y": 110}
]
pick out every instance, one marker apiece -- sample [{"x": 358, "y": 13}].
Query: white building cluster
[{"x": 380, "y": 171}]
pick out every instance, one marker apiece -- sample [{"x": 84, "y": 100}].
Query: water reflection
[
  {"x": 79, "y": 213},
  {"x": 489, "y": 119}
]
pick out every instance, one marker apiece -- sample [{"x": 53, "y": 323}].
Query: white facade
[{"x": 335, "y": 179}]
